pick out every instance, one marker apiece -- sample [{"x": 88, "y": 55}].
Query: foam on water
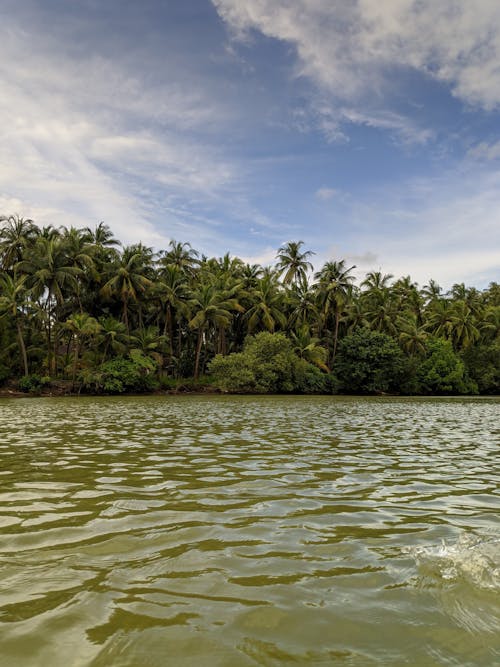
[
  {"x": 471, "y": 559},
  {"x": 464, "y": 577}
]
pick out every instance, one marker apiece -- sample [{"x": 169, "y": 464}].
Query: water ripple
[{"x": 249, "y": 531}]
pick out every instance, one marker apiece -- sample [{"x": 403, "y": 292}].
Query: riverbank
[{"x": 62, "y": 388}]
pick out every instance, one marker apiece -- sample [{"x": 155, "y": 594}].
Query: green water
[{"x": 203, "y": 531}]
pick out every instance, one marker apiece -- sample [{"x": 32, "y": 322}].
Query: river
[{"x": 233, "y": 531}]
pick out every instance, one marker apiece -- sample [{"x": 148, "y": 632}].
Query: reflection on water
[{"x": 236, "y": 531}]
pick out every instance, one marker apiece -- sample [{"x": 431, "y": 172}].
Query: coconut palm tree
[
  {"x": 113, "y": 336},
  {"x": 210, "y": 307},
  {"x": 180, "y": 255},
  {"x": 412, "y": 337},
  {"x": 13, "y": 303},
  {"x": 266, "y": 301},
  {"x": 16, "y": 235},
  {"x": 49, "y": 274},
  {"x": 334, "y": 287},
  {"x": 292, "y": 262},
  {"x": 309, "y": 347},
  {"x": 463, "y": 330},
  {"x": 128, "y": 280},
  {"x": 81, "y": 326}
]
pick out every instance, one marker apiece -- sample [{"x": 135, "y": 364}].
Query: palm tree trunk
[
  {"x": 22, "y": 347},
  {"x": 75, "y": 363},
  {"x": 198, "y": 353},
  {"x": 335, "y": 336}
]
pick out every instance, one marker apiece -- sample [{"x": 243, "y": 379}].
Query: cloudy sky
[{"x": 370, "y": 130}]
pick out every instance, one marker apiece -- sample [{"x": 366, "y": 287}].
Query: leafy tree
[
  {"x": 369, "y": 362},
  {"x": 268, "y": 364},
  {"x": 442, "y": 371}
]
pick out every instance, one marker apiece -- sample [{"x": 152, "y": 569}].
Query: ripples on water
[{"x": 229, "y": 531}]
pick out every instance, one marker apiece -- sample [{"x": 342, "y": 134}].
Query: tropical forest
[{"x": 82, "y": 313}]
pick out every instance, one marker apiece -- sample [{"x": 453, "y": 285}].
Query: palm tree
[
  {"x": 308, "y": 347},
  {"x": 128, "y": 281},
  {"x": 376, "y": 281},
  {"x": 412, "y": 337},
  {"x": 101, "y": 236},
  {"x": 463, "y": 330},
  {"x": 13, "y": 303},
  {"x": 335, "y": 281},
  {"x": 211, "y": 307},
  {"x": 112, "y": 336},
  {"x": 182, "y": 256},
  {"x": 381, "y": 311},
  {"x": 266, "y": 302},
  {"x": 490, "y": 324},
  {"x": 302, "y": 304},
  {"x": 172, "y": 291},
  {"x": 79, "y": 253},
  {"x": 16, "y": 235},
  {"x": 432, "y": 292},
  {"x": 292, "y": 262},
  {"x": 439, "y": 318},
  {"x": 48, "y": 274},
  {"x": 81, "y": 326}
]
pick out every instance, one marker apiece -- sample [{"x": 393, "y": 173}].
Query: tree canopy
[{"x": 77, "y": 306}]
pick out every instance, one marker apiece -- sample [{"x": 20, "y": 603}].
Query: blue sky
[{"x": 370, "y": 130}]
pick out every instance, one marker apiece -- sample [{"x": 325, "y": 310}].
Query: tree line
[{"x": 78, "y": 306}]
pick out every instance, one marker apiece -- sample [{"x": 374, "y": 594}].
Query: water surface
[{"x": 236, "y": 531}]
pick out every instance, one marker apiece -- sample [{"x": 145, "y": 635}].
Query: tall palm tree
[
  {"x": 101, "y": 236},
  {"x": 381, "y": 311},
  {"x": 13, "y": 303},
  {"x": 16, "y": 235},
  {"x": 266, "y": 301},
  {"x": 180, "y": 255},
  {"x": 302, "y": 306},
  {"x": 292, "y": 262},
  {"x": 463, "y": 330},
  {"x": 439, "y": 320},
  {"x": 412, "y": 337},
  {"x": 81, "y": 326},
  {"x": 80, "y": 253},
  {"x": 376, "y": 281},
  {"x": 171, "y": 288},
  {"x": 49, "y": 274},
  {"x": 432, "y": 292},
  {"x": 127, "y": 281},
  {"x": 210, "y": 307},
  {"x": 334, "y": 286}
]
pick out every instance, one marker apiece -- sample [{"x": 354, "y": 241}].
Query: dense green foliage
[
  {"x": 369, "y": 362},
  {"x": 268, "y": 364},
  {"x": 77, "y": 307}
]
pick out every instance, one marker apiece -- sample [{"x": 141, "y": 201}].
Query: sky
[{"x": 369, "y": 130}]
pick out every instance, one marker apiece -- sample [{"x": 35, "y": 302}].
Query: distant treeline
[{"x": 78, "y": 307}]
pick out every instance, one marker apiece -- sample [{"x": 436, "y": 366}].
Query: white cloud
[
  {"x": 485, "y": 151},
  {"x": 444, "y": 228},
  {"x": 84, "y": 139},
  {"x": 353, "y": 49}
]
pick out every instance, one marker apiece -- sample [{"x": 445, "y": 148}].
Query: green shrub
[
  {"x": 33, "y": 384},
  {"x": 482, "y": 364},
  {"x": 369, "y": 362},
  {"x": 442, "y": 371},
  {"x": 123, "y": 374},
  {"x": 268, "y": 364}
]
